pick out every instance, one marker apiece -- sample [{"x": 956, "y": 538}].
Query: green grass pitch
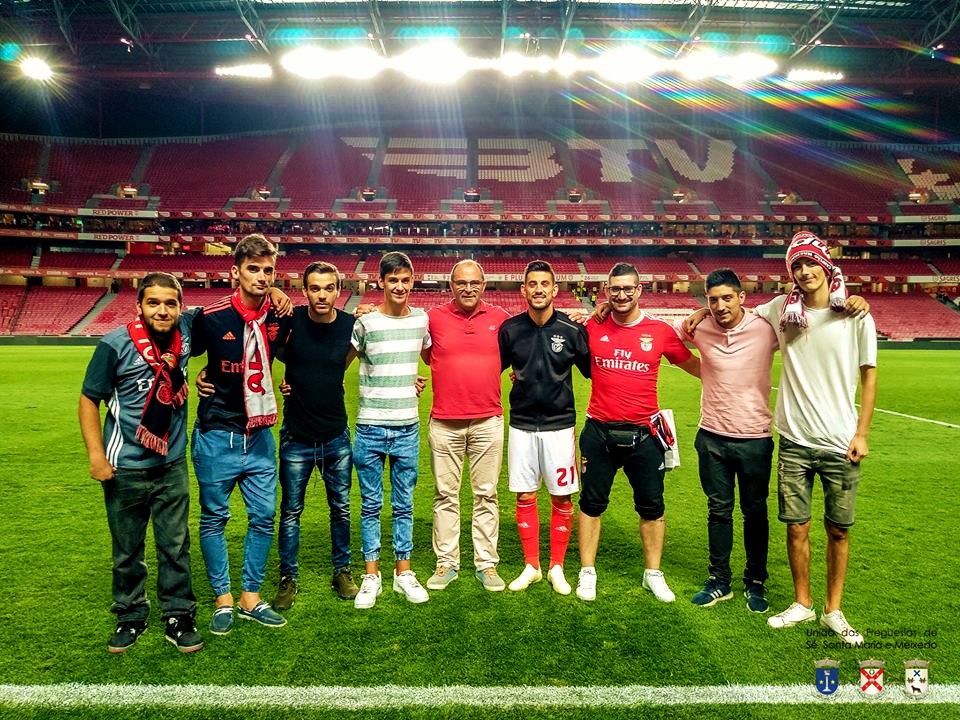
[{"x": 55, "y": 551}]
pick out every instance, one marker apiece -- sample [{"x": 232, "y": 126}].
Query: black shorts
[{"x": 607, "y": 447}]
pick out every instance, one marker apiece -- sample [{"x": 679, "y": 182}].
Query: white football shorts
[{"x": 549, "y": 456}]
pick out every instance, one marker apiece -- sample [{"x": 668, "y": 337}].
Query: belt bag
[{"x": 625, "y": 436}]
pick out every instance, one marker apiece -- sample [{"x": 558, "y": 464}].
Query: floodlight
[
  {"x": 747, "y": 66},
  {"x": 36, "y": 69},
  {"x": 253, "y": 70},
  {"x": 567, "y": 64},
  {"x": 627, "y": 64},
  {"x": 806, "y": 75},
  {"x": 358, "y": 63},
  {"x": 698, "y": 65},
  {"x": 513, "y": 64},
  {"x": 435, "y": 62}
]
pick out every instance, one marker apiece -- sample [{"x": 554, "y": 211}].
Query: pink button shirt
[{"x": 735, "y": 371}]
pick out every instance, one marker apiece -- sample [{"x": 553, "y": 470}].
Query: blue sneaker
[
  {"x": 222, "y": 621},
  {"x": 714, "y": 591},
  {"x": 263, "y": 614},
  {"x": 755, "y": 593}
]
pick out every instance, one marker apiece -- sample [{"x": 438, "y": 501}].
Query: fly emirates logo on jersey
[{"x": 623, "y": 359}]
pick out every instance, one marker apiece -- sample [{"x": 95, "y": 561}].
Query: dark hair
[
  {"x": 623, "y": 268},
  {"x": 159, "y": 279},
  {"x": 321, "y": 267},
  {"x": 253, "y": 246},
  {"x": 393, "y": 261},
  {"x": 723, "y": 276},
  {"x": 539, "y": 266}
]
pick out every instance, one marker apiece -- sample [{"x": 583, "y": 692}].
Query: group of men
[{"x": 140, "y": 372}]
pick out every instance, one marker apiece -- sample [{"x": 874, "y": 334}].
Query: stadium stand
[
  {"x": 15, "y": 257},
  {"x": 117, "y": 203},
  {"x": 84, "y": 169},
  {"x": 906, "y": 317},
  {"x": 177, "y": 263},
  {"x": 947, "y": 266},
  {"x": 620, "y": 171},
  {"x": 205, "y": 175},
  {"x": 522, "y": 172},
  {"x": 422, "y": 171},
  {"x": 596, "y": 264},
  {"x": 876, "y": 268},
  {"x": 54, "y": 310},
  {"x": 325, "y": 167},
  {"x": 937, "y": 173},
  {"x": 20, "y": 161},
  {"x": 11, "y": 299},
  {"x": 78, "y": 259}
]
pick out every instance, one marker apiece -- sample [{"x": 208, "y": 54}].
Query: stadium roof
[{"x": 170, "y": 49}]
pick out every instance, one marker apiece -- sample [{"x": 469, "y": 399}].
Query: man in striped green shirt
[{"x": 389, "y": 342}]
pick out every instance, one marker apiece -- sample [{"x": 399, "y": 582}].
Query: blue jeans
[
  {"x": 372, "y": 445},
  {"x": 223, "y": 460},
  {"x": 297, "y": 461}
]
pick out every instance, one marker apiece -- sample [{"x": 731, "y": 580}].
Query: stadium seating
[
  {"x": 11, "y": 299},
  {"x": 422, "y": 171},
  {"x": 937, "y": 173},
  {"x": 15, "y": 257},
  {"x": 601, "y": 264},
  {"x": 905, "y": 317},
  {"x": 947, "y": 266},
  {"x": 177, "y": 263},
  {"x": 84, "y": 260},
  {"x": 20, "y": 160},
  {"x": 84, "y": 169},
  {"x": 326, "y": 167},
  {"x": 205, "y": 175},
  {"x": 54, "y": 310},
  {"x": 116, "y": 203},
  {"x": 522, "y": 172},
  {"x": 620, "y": 171}
]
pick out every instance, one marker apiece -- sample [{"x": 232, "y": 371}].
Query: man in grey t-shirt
[{"x": 139, "y": 371}]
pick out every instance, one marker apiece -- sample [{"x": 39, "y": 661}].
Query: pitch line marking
[{"x": 396, "y": 696}]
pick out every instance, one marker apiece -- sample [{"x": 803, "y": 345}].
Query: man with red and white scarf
[
  {"x": 232, "y": 443},
  {"x": 140, "y": 460},
  {"x": 826, "y": 354}
]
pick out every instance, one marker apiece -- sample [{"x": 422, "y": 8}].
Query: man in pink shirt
[
  {"x": 734, "y": 441},
  {"x": 466, "y": 420}
]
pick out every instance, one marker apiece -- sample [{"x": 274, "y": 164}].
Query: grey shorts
[{"x": 796, "y": 467}]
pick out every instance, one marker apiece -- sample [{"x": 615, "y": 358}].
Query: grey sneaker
[
  {"x": 490, "y": 580},
  {"x": 442, "y": 577},
  {"x": 126, "y": 634},
  {"x": 286, "y": 593}
]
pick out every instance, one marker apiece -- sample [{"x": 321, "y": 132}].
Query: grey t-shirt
[{"x": 119, "y": 376}]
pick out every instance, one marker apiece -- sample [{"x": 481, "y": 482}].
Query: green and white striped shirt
[{"x": 389, "y": 352}]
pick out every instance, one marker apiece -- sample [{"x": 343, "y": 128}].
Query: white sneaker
[
  {"x": 371, "y": 586},
  {"x": 793, "y": 615},
  {"x": 587, "y": 584},
  {"x": 407, "y": 584},
  {"x": 654, "y": 581},
  {"x": 529, "y": 576},
  {"x": 838, "y": 623},
  {"x": 555, "y": 577}
]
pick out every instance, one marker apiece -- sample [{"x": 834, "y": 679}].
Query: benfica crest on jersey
[
  {"x": 827, "y": 676},
  {"x": 871, "y": 678},
  {"x": 646, "y": 343},
  {"x": 556, "y": 342},
  {"x": 917, "y": 676}
]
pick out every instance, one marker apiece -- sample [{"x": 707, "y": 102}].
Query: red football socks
[
  {"x": 528, "y": 525},
  {"x": 561, "y": 525}
]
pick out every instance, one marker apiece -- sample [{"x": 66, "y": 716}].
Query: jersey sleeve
[
  {"x": 198, "y": 334},
  {"x": 582, "y": 358},
  {"x": 427, "y": 338},
  {"x": 100, "y": 379},
  {"x": 673, "y": 348},
  {"x": 503, "y": 340},
  {"x": 770, "y": 311},
  {"x": 358, "y": 338}
]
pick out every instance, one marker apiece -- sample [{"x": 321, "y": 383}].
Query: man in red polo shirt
[
  {"x": 466, "y": 420},
  {"x": 622, "y": 425}
]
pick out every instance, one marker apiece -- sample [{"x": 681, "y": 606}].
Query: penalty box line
[{"x": 397, "y": 696}]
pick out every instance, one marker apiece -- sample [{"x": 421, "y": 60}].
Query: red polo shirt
[{"x": 465, "y": 361}]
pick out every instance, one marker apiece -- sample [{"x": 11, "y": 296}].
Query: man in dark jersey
[
  {"x": 232, "y": 443},
  {"x": 140, "y": 460},
  {"x": 314, "y": 432},
  {"x": 542, "y": 346}
]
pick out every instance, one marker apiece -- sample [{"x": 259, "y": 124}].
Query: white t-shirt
[{"x": 821, "y": 371}]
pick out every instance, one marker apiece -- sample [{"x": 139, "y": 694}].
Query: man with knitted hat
[{"x": 825, "y": 355}]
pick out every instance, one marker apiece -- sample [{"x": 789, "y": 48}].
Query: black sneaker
[
  {"x": 343, "y": 583},
  {"x": 126, "y": 635},
  {"x": 755, "y": 593},
  {"x": 714, "y": 591},
  {"x": 286, "y": 592},
  {"x": 181, "y": 630}
]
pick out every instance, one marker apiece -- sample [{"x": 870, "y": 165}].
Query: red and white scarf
[
  {"x": 807, "y": 246},
  {"x": 258, "y": 398},
  {"x": 168, "y": 391}
]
